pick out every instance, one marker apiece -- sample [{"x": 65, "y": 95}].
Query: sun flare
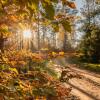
[{"x": 27, "y": 33}]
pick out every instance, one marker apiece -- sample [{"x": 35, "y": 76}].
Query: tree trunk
[
  {"x": 38, "y": 33},
  {"x": 2, "y": 43},
  {"x": 64, "y": 41},
  {"x": 44, "y": 35}
]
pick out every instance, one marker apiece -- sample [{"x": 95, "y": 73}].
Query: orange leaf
[
  {"x": 72, "y": 5},
  {"x": 13, "y": 18}
]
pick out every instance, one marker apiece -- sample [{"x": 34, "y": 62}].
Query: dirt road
[{"x": 87, "y": 87}]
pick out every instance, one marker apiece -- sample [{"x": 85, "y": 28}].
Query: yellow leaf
[{"x": 61, "y": 53}]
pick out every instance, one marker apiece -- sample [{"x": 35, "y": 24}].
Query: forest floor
[{"x": 87, "y": 87}]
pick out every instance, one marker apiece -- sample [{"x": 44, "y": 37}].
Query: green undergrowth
[
  {"x": 92, "y": 67},
  {"x": 95, "y": 67}
]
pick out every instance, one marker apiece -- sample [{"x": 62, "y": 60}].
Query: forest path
[{"x": 87, "y": 87}]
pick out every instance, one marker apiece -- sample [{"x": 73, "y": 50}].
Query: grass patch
[
  {"x": 92, "y": 67},
  {"x": 84, "y": 65}
]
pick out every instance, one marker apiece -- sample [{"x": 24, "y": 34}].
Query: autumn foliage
[{"x": 31, "y": 84}]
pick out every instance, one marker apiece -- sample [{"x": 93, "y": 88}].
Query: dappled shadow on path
[
  {"x": 87, "y": 76},
  {"x": 84, "y": 92}
]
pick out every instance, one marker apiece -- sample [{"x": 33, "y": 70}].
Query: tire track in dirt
[
  {"x": 86, "y": 88},
  {"x": 92, "y": 79}
]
